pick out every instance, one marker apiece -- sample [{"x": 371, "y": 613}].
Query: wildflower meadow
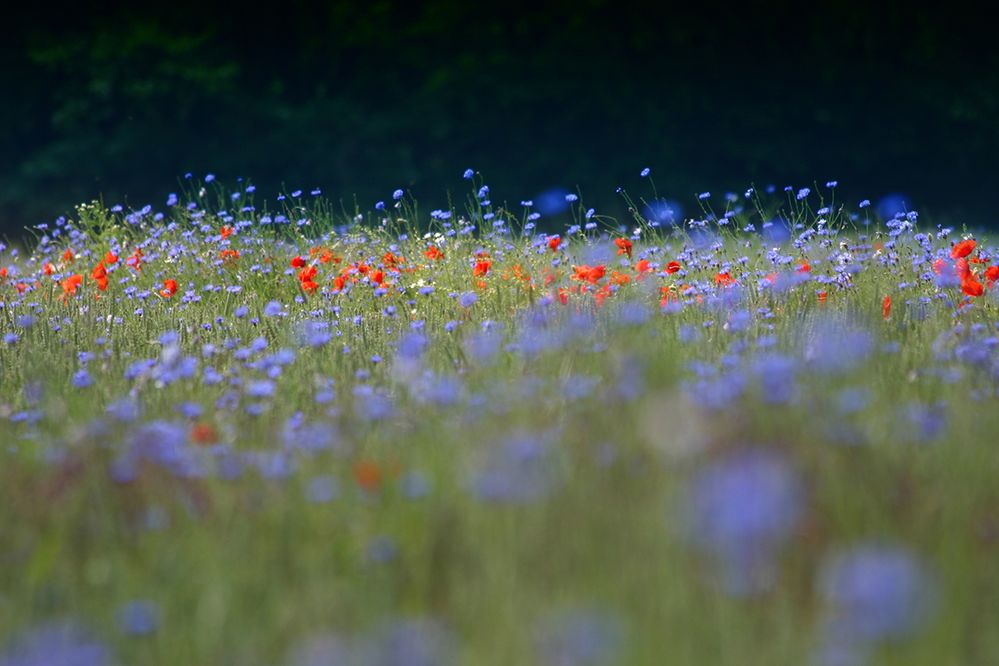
[{"x": 751, "y": 428}]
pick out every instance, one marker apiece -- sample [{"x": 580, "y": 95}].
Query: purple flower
[
  {"x": 412, "y": 346},
  {"x": 82, "y": 379},
  {"x": 56, "y": 644},
  {"x": 927, "y": 421},
  {"x": 273, "y": 309},
  {"x": 409, "y": 642},
  {"x": 776, "y": 375},
  {"x": 873, "y": 593},
  {"x": 467, "y": 299},
  {"x": 260, "y": 389},
  {"x": 124, "y": 409},
  {"x": 579, "y": 637},
  {"x": 518, "y": 470},
  {"x": 836, "y": 346},
  {"x": 322, "y": 489},
  {"x": 740, "y": 510},
  {"x": 138, "y": 618}
]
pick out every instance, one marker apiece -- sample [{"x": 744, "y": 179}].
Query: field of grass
[{"x": 245, "y": 432}]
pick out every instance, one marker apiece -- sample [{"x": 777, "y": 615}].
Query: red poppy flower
[
  {"x": 642, "y": 267},
  {"x": 229, "y": 256},
  {"x": 100, "y": 276},
  {"x": 886, "y": 307},
  {"x": 68, "y": 256},
  {"x": 589, "y": 274},
  {"x": 482, "y": 267},
  {"x": 204, "y": 434},
  {"x": 724, "y": 279},
  {"x": 110, "y": 258},
  {"x": 169, "y": 288},
  {"x": 992, "y": 273},
  {"x": 822, "y": 295},
  {"x": 963, "y": 249},
  {"x": 368, "y": 475},
  {"x": 135, "y": 261},
  {"x": 433, "y": 253},
  {"x": 623, "y": 246},
  {"x": 672, "y": 267},
  {"x": 619, "y": 278},
  {"x": 48, "y": 268},
  {"x": 554, "y": 243},
  {"x": 307, "y": 273},
  {"x": 805, "y": 267},
  {"x": 70, "y": 284},
  {"x": 226, "y": 231},
  {"x": 962, "y": 268},
  {"x": 972, "y": 287},
  {"x": 298, "y": 262},
  {"x": 601, "y": 294}
]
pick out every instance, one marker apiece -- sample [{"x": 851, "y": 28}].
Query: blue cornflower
[
  {"x": 580, "y": 637},
  {"x": 468, "y": 174},
  {"x": 704, "y": 195},
  {"x": 322, "y": 489},
  {"x": 209, "y": 177},
  {"x": 518, "y": 470},
  {"x": 82, "y": 379},
  {"x": 263, "y": 388},
  {"x": 273, "y": 309},
  {"x": 138, "y": 618},
  {"x": 396, "y": 195},
  {"x": 645, "y": 172},
  {"x": 56, "y": 644},
  {"x": 741, "y": 510},
  {"x": 409, "y": 642},
  {"x": 467, "y": 299},
  {"x": 874, "y": 592}
]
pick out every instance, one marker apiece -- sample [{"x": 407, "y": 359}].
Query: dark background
[{"x": 361, "y": 98}]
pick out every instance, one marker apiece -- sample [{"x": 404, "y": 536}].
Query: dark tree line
[{"x": 363, "y": 97}]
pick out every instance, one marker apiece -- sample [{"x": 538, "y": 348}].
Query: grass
[{"x": 738, "y": 462}]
